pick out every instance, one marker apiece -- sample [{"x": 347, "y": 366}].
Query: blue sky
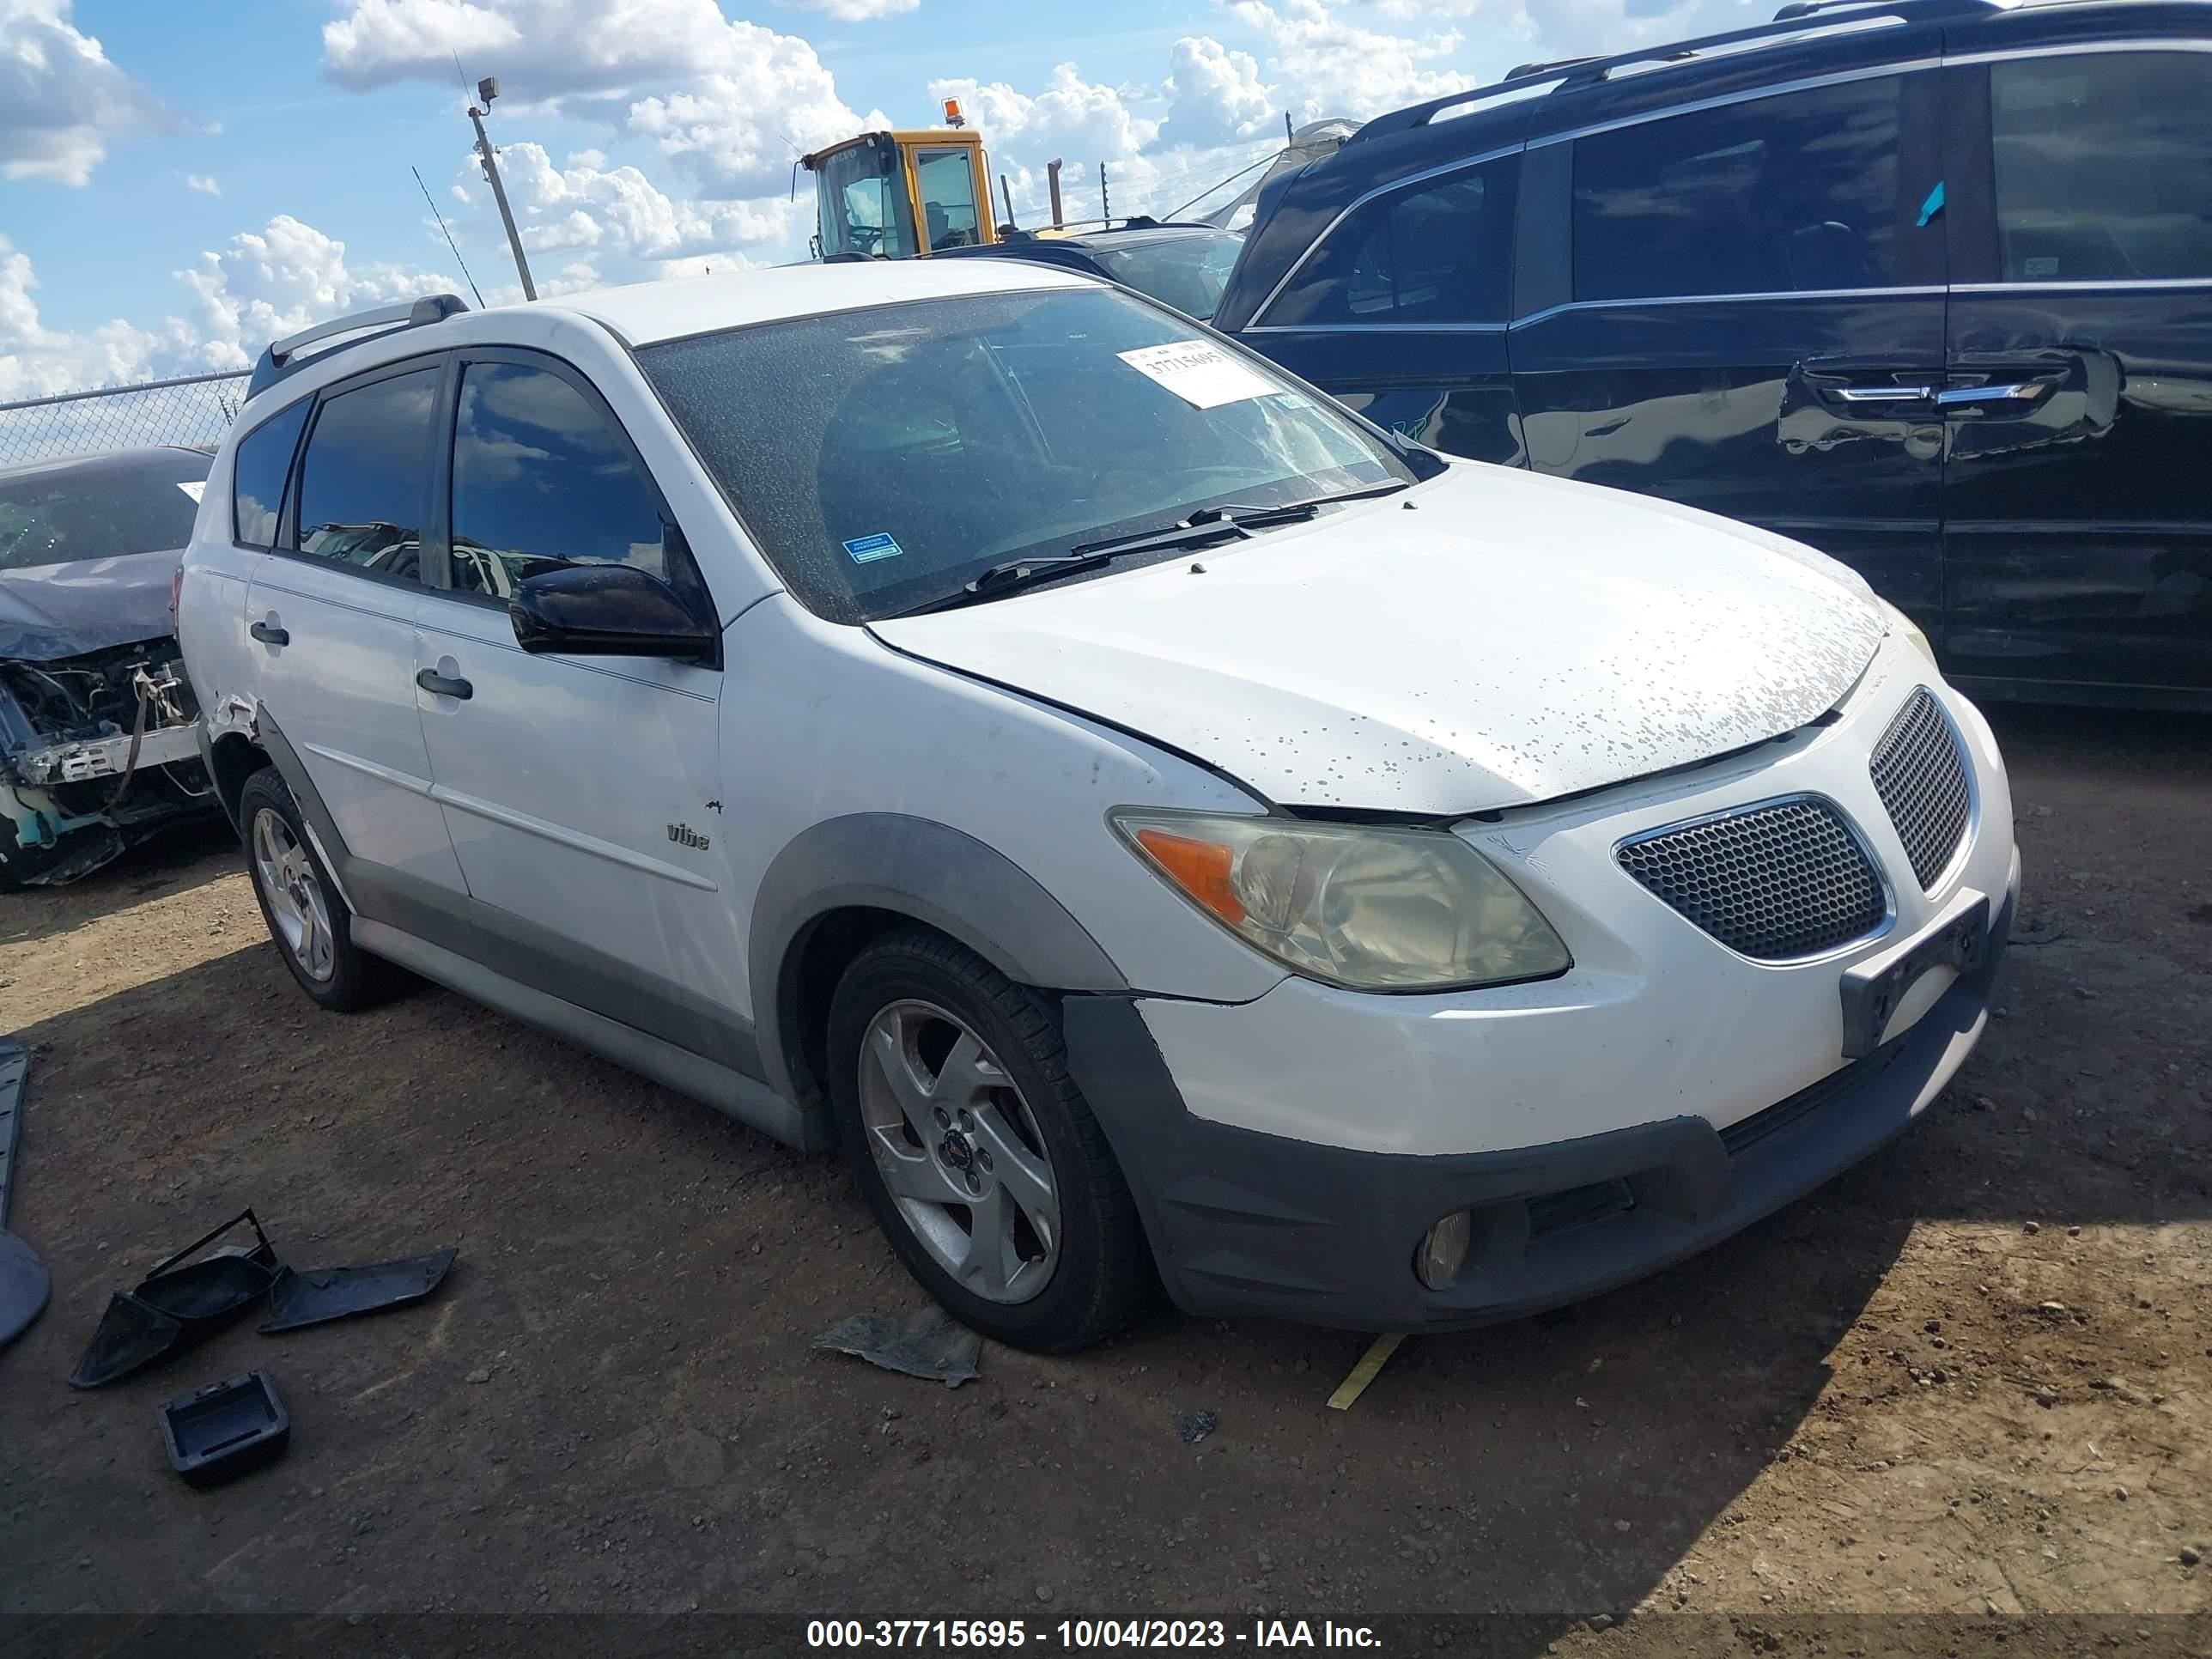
[{"x": 177, "y": 182}]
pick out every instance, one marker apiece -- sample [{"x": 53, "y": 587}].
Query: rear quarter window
[
  {"x": 2104, "y": 167},
  {"x": 1437, "y": 251},
  {"x": 258, "y": 467}
]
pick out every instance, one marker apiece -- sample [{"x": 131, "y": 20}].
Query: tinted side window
[
  {"x": 362, "y": 484},
  {"x": 1441, "y": 253},
  {"x": 541, "y": 480},
  {"x": 257, "y": 468},
  {"x": 2104, "y": 167},
  {"x": 1777, "y": 195}
]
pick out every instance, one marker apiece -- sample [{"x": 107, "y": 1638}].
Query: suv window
[
  {"x": 257, "y": 470},
  {"x": 541, "y": 480},
  {"x": 361, "y": 485},
  {"x": 1440, "y": 254},
  {"x": 1777, "y": 195},
  {"x": 2104, "y": 167}
]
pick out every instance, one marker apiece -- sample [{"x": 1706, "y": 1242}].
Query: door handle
[
  {"x": 270, "y": 634},
  {"x": 442, "y": 685},
  {"x": 1881, "y": 394},
  {"x": 2016, "y": 391}
]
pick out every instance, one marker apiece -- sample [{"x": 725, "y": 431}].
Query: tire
[
  {"x": 336, "y": 973},
  {"x": 920, "y": 1025}
]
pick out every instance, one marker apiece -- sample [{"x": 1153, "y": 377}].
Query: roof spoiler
[{"x": 283, "y": 355}]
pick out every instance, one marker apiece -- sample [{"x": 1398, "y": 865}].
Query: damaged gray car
[{"x": 99, "y": 732}]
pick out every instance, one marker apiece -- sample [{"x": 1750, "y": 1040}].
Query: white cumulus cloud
[
  {"x": 263, "y": 284},
  {"x": 1215, "y": 95},
  {"x": 61, "y": 100},
  {"x": 726, "y": 98},
  {"x": 591, "y": 224},
  {"x": 857, "y": 11},
  {"x": 202, "y": 183},
  {"x": 276, "y": 281},
  {"x": 1331, "y": 64}
]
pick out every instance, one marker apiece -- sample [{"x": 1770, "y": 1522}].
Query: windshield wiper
[
  {"x": 1288, "y": 512},
  {"x": 1016, "y": 574},
  {"x": 1235, "y": 516},
  {"x": 1207, "y": 524}
]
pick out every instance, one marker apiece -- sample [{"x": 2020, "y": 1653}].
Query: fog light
[{"x": 1444, "y": 1251}]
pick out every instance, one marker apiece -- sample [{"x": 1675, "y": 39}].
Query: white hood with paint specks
[{"x": 1490, "y": 639}]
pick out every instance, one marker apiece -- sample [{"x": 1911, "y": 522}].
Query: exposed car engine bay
[{"x": 91, "y": 748}]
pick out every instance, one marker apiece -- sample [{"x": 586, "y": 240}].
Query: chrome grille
[
  {"x": 1786, "y": 878},
  {"x": 1921, "y": 777}
]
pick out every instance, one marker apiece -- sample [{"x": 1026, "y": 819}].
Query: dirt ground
[{"x": 1969, "y": 1380}]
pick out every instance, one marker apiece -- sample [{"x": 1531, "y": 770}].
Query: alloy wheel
[
  {"x": 294, "y": 893},
  {"x": 959, "y": 1148}
]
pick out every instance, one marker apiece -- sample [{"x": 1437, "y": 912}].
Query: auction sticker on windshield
[{"x": 1201, "y": 374}]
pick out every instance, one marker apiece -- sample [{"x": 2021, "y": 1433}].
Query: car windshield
[
  {"x": 882, "y": 457},
  {"x": 102, "y": 513},
  {"x": 1188, "y": 272}
]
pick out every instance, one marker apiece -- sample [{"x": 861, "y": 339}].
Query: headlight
[
  {"x": 1369, "y": 909},
  {"x": 1905, "y": 625}
]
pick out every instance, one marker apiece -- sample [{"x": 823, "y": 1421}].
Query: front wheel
[{"x": 976, "y": 1152}]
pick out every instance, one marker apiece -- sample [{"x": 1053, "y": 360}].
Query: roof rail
[
  {"x": 1571, "y": 73},
  {"x": 282, "y": 356},
  {"x": 1522, "y": 71}
]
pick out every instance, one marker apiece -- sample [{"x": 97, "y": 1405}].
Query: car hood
[
  {"x": 54, "y": 611},
  {"x": 1491, "y": 639}
]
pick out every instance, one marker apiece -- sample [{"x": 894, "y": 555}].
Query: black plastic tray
[{"x": 219, "y": 1432}]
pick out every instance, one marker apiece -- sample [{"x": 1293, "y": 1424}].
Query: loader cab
[{"x": 898, "y": 195}]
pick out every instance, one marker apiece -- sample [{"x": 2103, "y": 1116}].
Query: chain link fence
[{"x": 196, "y": 409}]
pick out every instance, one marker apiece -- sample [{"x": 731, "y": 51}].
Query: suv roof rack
[
  {"x": 1788, "y": 24},
  {"x": 1522, "y": 71},
  {"x": 283, "y": 356}
]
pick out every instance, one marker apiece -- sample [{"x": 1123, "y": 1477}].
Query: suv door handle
[
  {"x": 1881, "y": 394},
  {"x": 270, "y": 634},
  {"x": 441, "y": 685}
]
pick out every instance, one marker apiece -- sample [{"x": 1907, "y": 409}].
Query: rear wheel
[
  {"x": 976, "y": 1152},
  {"x": 307, "y": 919}
]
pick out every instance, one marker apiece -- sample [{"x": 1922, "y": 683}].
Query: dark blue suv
[{"x": 1928, "y": 285}]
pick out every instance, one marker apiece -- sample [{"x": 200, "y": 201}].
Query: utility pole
[
  {"x": 488, "y": 89},
  {"x": 1052, "y": 182}
]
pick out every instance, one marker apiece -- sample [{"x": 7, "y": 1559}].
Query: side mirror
[{"x": 606, "y": 610}]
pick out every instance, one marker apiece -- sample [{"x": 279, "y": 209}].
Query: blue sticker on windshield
[
  {"x": 869, "y": 549},
  {"x": 1931, "y": 207}
]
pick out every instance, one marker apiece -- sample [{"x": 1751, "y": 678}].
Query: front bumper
[
  {"x": 92, "y": 758},
  {"x": 1247, "y": 1223}
]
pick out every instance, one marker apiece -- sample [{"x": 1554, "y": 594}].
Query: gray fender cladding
[{"x": 916, "y": 867}]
